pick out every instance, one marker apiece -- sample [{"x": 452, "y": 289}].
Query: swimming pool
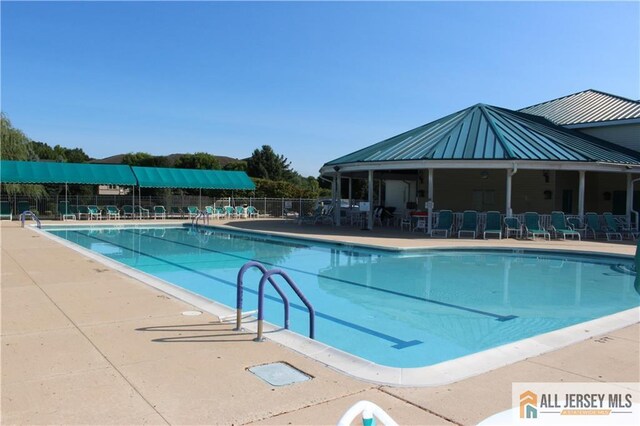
[{"x": 394, "y": 308}]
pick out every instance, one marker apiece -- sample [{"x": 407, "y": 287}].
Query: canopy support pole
[
  {"x": 581, "y": 194},
  {"x": 199, "y": 198},
  {"x": 370, "y": 212},
  {"x": 133, "y": 199},
  {"x": 429, "y": 202},
  {"x": 510, "y": 173},
  {"x": 338, "y": 207}
]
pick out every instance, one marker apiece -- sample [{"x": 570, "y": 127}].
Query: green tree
[
  {"x": 266, "y": 164},
  {"x": 239, "y": 165},
  {"x": 144, "y": 159},
  {"x": 199, "y": 160},
  {"x": 15, "y": 145}
]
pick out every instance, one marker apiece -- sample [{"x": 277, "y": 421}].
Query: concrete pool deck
[{"x": 82, "y": 343}]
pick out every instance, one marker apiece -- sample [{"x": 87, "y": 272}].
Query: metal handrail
[
  {"x": 267, "y": 276},
  {"x": 204, "y": 215},
  {"x": 33, "y": 216},
  {"x": 240, "y": 288}
]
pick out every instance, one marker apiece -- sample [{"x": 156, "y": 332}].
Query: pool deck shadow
[{"x": 82, "y": 343}]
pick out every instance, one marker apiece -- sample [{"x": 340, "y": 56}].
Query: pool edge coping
[{"x": 434, "y": 375}]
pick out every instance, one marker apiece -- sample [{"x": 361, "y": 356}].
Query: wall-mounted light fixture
[
  {"x": 545, "y": 173},
  {"x": 484, "y": 174}
]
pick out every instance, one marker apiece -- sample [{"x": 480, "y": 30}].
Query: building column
[
  {"x": 350, "y": 195},
  {"x": 430, "y": 201},
  {"x": 581, "y": 194},
  {"x": 370, "y": 212},
  {"x": 629, "y": 198},
  {"x": 338, "y": 206}
]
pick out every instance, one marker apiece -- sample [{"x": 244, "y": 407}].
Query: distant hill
[{"x": 117, "y": 159}]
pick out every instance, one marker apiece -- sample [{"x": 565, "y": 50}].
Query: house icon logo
[{"x": 528, "y": 405}]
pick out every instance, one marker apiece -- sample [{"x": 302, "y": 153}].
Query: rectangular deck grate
[{"x": 279, "y": 374}]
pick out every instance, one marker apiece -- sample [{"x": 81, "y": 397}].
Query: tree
[
  {"x": 15, "y": 145},
  {"x": 59, "y": 153},
  {"x": 199, "y": 160},
  {"x": 144, "y": 159},
  {"x": 265, "y": 163},
  {"x": 239, "y": 165}
]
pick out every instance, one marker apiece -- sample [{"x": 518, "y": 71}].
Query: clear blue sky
[{"x": 313, "y": 80}]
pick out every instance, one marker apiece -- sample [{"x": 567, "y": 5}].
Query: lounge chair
[
  {"x": 492, "y": 225},
  {"x": 141, "y": 212},
  {"x": 469, "y": 223},
  {"x": 159, "y": 212},
  {"x": 177, "y": 212},
  {"x": 213, "y": 212},
  {"x": 594, "y": 225},
  {"x": 192, "y": 211},
  {"x": 319, "y": 216},
  {"x": 127, "y": 211},
  {"x": 577, "y": 225},
  {"x": 445, "y": 222},
  {"x": 512, "y": 225},
  {"x": 229, "y": 212},
  {"x": 64, "y": 210},
  {"x": 94, "y": 212},
  {"x": 83, "y": 211},
  {"x": 252, "y": 212},
  {"x": 240, "y": 212},
  {"x": 615, "y": 228},
  {"x": 532, "y": 226},
  {"x": 560, "y": 227},
  {"x": 5, "y": 210},
  {"x": 112, "y": 212}
]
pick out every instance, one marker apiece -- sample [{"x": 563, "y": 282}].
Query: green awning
[
  {"x": 77, "y": 173},
  {"x": 157, "y": 177}
]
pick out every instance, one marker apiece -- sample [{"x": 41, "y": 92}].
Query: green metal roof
[
  {"x": 588, "y": 106},
  {"x": 158, "y": 177},
  {"x": 485, "y": 132},
  {"x": 46, "y": 172}
]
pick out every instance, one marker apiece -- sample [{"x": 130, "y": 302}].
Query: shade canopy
[
  {"x": 29, "y": 172},
  {"x": 158, "y": 177}
]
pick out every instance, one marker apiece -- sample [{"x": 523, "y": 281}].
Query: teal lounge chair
[
  {"x": 252, "y": 212},
  {"x": 65, "y": 211},
  {"x": 577, "y": 225},
  {"x": 112, "y": 212},
  {"x": 127, "y": 211},
  {"x": 594, "y": 225},
  {"x": 229, "y": 212},
  {"x": 5, "y": 210},
  {"x": 445, "y": 222},
  {"x": 512, "y": 225},
  {"x": 83, "y": 211},
  {"x": 240, "y": 212},
  {"x": 492, "y": 225},
  {"x": 469, "y": 223},
  {"x": 615, "y": 228},
  {"x": 532, "y": 226},
  {"x": 192, "y": 211},
  {"x": 177, "y": 212},
  {"x": 560, "y": 227},
  {"x": 94, "y": 212},
  {"x": 141, "y": 212},
  {"x": 159, "y": 212}
]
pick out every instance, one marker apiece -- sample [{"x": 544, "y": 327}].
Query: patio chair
[
  {"x": 213, "y": 212},
  {"x": 532, "y": 226},
  {"x": 112, "y": 212},
  {"x": 127, "y": 211},
  {"x": 159, "y": 212},
  {"x": 492, "y": 225},
  {"x": 615, "y": 228},
  {"x": 252, "y": 212},
  {"x": 141, "y": 212},
  {"x": 83, "y": 211},
  {"x": 229, "y": 212},
  {"x": 594, "y": 225},
  {"x": 512, "y": 225},
  {"x": 192, "y": 211},
  {"x": 577, "y": 225},
  {"x": 5, "y": 210},
  {"x": 469, "y": 223},
  {"x": 445, "y": 222},
  {"x": 94, "y": 212},
  {"x": 421, "y": 224},
  {"x": 560, "y": 227},
  {"x": 177, "y": 212},
  {"x": 240, "y": 212},
  {"x": 64, "y": 210}
]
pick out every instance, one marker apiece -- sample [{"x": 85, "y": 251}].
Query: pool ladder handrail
[
  {"x": 201, "y": 214},
  {"x": 267, "y": 275},
  {"x": 32, "y": 215}
]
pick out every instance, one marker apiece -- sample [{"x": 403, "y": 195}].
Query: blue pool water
[{"x": 400, "y": 309}]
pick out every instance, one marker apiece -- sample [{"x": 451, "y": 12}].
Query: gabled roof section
[
  {"x": 485, "y": 132},
  {"x": 589, "y": 106}
]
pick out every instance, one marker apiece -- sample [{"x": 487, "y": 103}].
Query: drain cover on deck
[{"x": 279, "y": 374}]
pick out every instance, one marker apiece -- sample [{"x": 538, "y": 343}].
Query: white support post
[
  {"x": 581, "y": 194},
  {"x": 370, "y": 212},
  {"x": 430, "y": 201},
  {"x": 629, "y": 198},
  {"x": 507, "y": 209},
  {"x": 350, "y": 193},
  {"x": 338, "y": 207}
]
